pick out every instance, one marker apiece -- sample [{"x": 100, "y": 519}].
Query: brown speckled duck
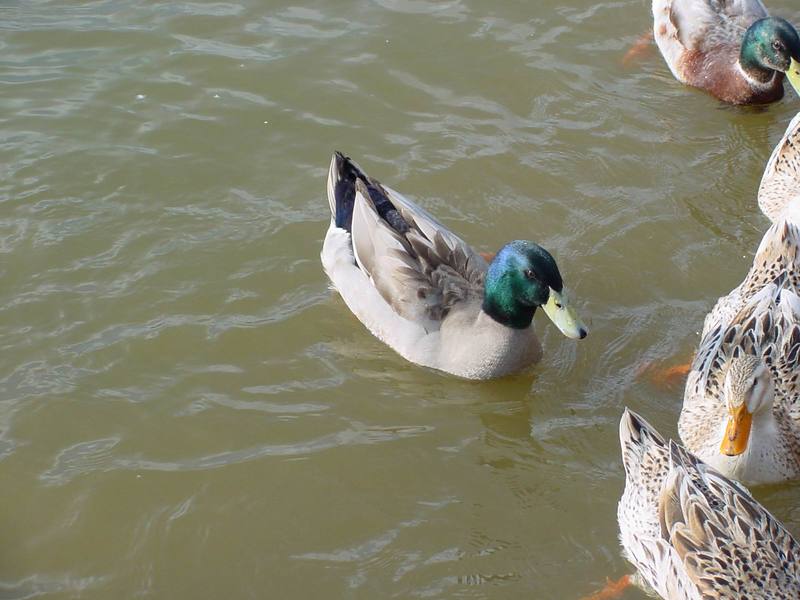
[
  {"x": 741, "y": 407},
  {"x": 692, "y": 533},
  {"x": 732, "y": 49}
]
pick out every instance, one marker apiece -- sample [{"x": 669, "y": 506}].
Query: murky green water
[{"x": 185, "y": 409}]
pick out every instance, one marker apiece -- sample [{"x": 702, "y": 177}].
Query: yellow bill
[
  {"x": 564, "y": 316},
  {"x": 737, "y": 432},
  {"x": 794, "y": 75}
]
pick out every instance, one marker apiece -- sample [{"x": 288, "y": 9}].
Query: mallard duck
[
  {"x": 779, "y": 192},
  {"x": 741, "y": 407},
  {"x": 426, "y": 293},
  {"x": 694, "y": 534},
  {"x": 731, "y": 48}
]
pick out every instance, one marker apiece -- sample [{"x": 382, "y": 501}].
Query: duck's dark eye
[
  {"x": 777, "y": 45},
  {"x": 530, "y": 274}
]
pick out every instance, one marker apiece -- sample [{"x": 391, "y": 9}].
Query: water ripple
[
  {"x": 45, "y": 585},
  {"x": 97, "y": 455},
  {"x": 175, "y": 373},
  {"x": 260, "y": 52},
  {"x": 80, "y": 458}
]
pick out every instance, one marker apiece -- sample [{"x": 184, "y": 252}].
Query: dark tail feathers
[
  {"x": 344, "y": 176},
  {"x": 342, "y": 184}
]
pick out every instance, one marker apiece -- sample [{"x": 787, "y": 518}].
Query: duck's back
[{"x": 694, "y": 534}]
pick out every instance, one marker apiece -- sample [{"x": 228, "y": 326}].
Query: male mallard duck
[
  {"x": 423, "y": 291},
  {"x": 692, "y": 533},
  {"x": 741, "y": 407},
  {"x": 731, "y": 48}
]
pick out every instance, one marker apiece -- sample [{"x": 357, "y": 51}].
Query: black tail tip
[
  {"x": 345, "y": 167},
  {"x": 342, "y": 179}
]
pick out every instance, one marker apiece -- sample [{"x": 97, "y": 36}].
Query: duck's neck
[
  {"x": 769, "y": 454},
  {"x": 501, "y": 305},
  {"x": 758, "y": 74}
]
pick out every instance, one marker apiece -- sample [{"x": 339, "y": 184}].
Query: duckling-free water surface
[{"x": 186, "y": 411}]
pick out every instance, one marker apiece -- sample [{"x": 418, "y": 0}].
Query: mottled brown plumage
[
  {"x": 692, "y": 533},
  {"x": 759, "y": 318},
  {"x": 779, "y": 192},
  {"x": 752, "y": 338}
]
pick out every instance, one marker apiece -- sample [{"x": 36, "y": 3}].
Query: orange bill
[{"x": 737, "y": 432}]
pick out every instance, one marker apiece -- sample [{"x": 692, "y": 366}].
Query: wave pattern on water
[{"x": 186, "y": 406}]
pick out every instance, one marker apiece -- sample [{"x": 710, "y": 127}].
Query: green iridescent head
[
  {"x": 772, "y": 44},
  {"x": 522, "y": 277}
]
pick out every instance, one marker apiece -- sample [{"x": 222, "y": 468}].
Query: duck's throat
[
  {"x": 764, "y": 460},
  {"x": 501, "y": 306},
  {"x": 756, "y": 73}
]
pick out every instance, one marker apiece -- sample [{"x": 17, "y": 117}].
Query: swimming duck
[
  {"x": 741, "y": 406},
  {"x": 694, "y": 534},
  {"x": 426, "y": 293},
  {"x": 731, "y": 48}
]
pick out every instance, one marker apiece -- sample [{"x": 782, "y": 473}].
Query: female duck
[
  {"x": 732, "y": 49},
  {"x": 423, "y": 291},
  {"x": 741, "y": 411},
  {"x": 741, "y": 407},
  {"x": 694, "y": 534}
]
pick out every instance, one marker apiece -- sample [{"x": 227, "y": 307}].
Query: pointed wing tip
[
  {"x": 633, "y": 427},
  {"x": 343, "y": 176},
  {"x": 637, "y": 438}
]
